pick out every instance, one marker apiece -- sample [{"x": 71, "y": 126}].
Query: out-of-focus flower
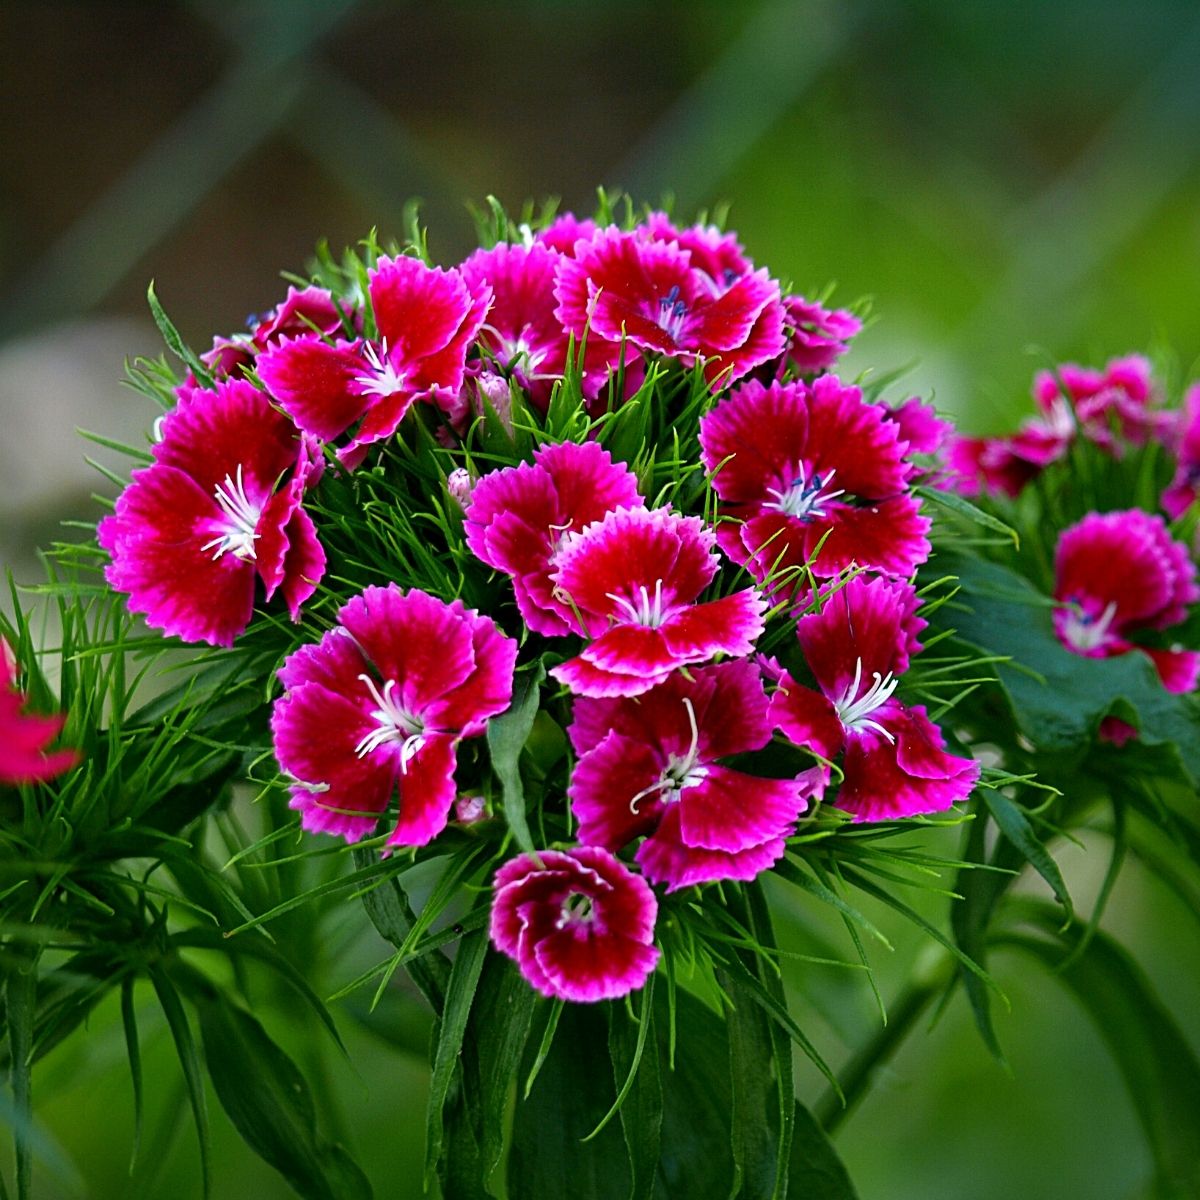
[
  {"x": 1120, "y": 572},
  {"x": 219, "y": 507},
  {"x": 24, "y": 736},
  {"x": 649, "y": 767},
  {"x": 817, "y": 336},
  {"x": 379, "y": 705},
  {"x": 1185, "y": 486},
  {"x": 578, "y": 923}
]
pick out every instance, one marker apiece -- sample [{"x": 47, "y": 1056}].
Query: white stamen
[
  {"x": 384, "y": 380},
  {"x": 681, "y": 771},
  {"x": 396, "y": 724},
  {"x": 1085, "y": 632},
  {"x": 239, "y": 537},
  {"x": 855, "y": 710},
  {"x": 805, "y": 498},
  {"x": 648, "y": 611}
]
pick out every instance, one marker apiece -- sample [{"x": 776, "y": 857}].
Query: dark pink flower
[
  {"x": 920, "y": 426},
  {"x": 379, "y": 705},
  {"x": 621, "y": 285},
  {"x": 894, "y": 760},
  {"x": 812, "y": 474},
  {"x": 426, "y": 320},
  {"x": 715, "y": 253},
  {"x": 1185, "y": 486},
  {"x": 519, "y": 517},
  {"x": 523, "y": 335},
  {"x": 1120, "y": 572},
  {"x": 565, "y": 232},
  {"x": 817, "y": 336},
  {"x": 1112, "y": 407},
  {"x": 219, "y": 507},
  {"x": 304, "y": 310},
  {"x": 649, "y": 767},
  {"x": 631, "y": 581},
  {"x": 578, "y": 922},
  {"x": 25, "y": 736},
  {"x": 227, "y": 357}
]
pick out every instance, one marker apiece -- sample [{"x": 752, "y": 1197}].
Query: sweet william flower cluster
[{"x": 651, "y": 491}]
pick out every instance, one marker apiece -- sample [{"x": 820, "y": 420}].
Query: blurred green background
[{"x": 1005, "y": 181}]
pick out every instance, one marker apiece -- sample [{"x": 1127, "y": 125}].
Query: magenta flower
[
  {"x": 25, "y": 736},
  {"x": 649, "y": 767},
  {"x": 379, "y": 705},
  {"x": 621, "y": 285},
  {"x": 302, "y": 311},
  {"x": 817, "y": 336},
  {"x": 894, "y": 760},
  {"x": 519, "y": 518},
  {"x": 716, "y": 254},
  {"x": 219, "y": 507},
  {"x": 1120, "y": 572},
  {"x": 632, "y": 580},
  {"x": 565, "y": 232},
  {"x": 1185, "y": 486},
  {"x": 1111, "y": 407},
  {"x": 920, "y": 426},
  {"x": 523, "y": 336},
  {"x": 426, "y": 319},
  {"x": 815, "y": 475},
  {"x": 578, "y": 923}
]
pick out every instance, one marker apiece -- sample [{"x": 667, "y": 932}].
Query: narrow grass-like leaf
[
  {"x": 506, "y": 736},
  {"x": 1016, "y": 827},
  {"x": 634, "y": 1053},
  {"x": 134, "y": 1052},
  {"x": 175, "y": 343}
]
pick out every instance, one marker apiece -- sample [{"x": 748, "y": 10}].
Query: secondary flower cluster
[
  {"x": 649, "y": 617},
  {"x": 25, "y": 736}
]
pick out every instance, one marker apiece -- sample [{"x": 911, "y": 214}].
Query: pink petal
[
  {"x": 732, "y": 811},
  {"x": 312, "y": 382},
  {"x": 488, "y": 690},
  {"x": 1178, "y": 669},
  {"x": 586, "y": 967},
  {"x": 807, "y": 718},
  {"x": 730, "y": 625},
  {"x": 603, "y": 788},
  {"x": 418, "y": 309},
  {"x": 585, "y": 679},
  {"x": 156, "y": 538},
  {"x": 427, "y": 793},
  {"x": 664, "y": 858},
  {"x": 631, "y": 650}
]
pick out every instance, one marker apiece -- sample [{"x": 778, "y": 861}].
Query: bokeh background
[{"x": 1007, "y": 182}]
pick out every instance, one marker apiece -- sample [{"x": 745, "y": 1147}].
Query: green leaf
[
  {"x": 955, "y": 503},
  {"x": 1058, "y": 698},
  {"x": 572, "y": 1092},
  {"x": 175, "y": 343},
  {"x": 271, "y": 1106},
  {"x": 506, "y": 737},
  {"x": 460, "y": 995},
  {"x": 815, "y": 1171},
  {"x": 189, "y": 1060},
  {"x": 1160, "y": 1071},
  {"x": 20, "y": 995},
  {"x": 635, "y": 1067},
  {"x": 134, "y": 1052},
  {"x": 1016, "y": 827}
]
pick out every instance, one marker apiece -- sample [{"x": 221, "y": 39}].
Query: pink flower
[
  {"x": 219, "y": 507},
  {"x": 621, "y": 285},
  {"x": 379, "y": 705},
  {"x": 817, "y": 336},
  {"x": 1112, "y": 406},
  {"x": 24, "y": 736},
  {"x": 578, "y": 922},
  {"x": 1120, "y": 572},
  {"x": 565, "y": 232},
  {"x": 649, "y": 767},
  {"x": 523, "y": 335},
  {"x": 519, "y": 518},
  {"x": 894, "y": 759},
  {"x": 632, "y": 580},
  {"x": 303, "y": 311},
  {"x": 718, "y": 255},
  {"x": 920, "y": 426},
  {"x": 426, "y": 319},
  {"x": 815, "y": 475},
  {"x": 1185, "y": 486}
]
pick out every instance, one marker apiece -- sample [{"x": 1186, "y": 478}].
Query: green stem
[
  {"x": 21, "y": 997},
  {"x": 858, "y": 1074}
]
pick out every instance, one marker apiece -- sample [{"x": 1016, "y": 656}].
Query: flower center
[
  {"x": 577, "y": 909},
  {"x": 394, "y": 725},
  {"x": 241, "y": 519},
  {"x": 855, "y": 711},
  {"x": 805, "y": 497},
  {"x": 643, "y": 609},
  {"x": 1083, "y": 631},
  {"x": 383, "y": 378},
  {"x": 682, "y": 770},
  {"x": 672, "y": 314}
]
